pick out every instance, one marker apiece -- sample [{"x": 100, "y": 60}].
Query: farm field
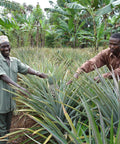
[
  {"x": 56, "y": 41},
  {"x": 83, "y": 112}
]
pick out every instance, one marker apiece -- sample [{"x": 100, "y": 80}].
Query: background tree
[
  {"x": 93, "y": 13},
  {"x": 70, "y": 23}
]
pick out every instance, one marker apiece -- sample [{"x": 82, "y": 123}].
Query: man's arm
[
  {"x": 76, "y": 75},
  {"x": 37, "y": 73},
  {"x": 9, "y": 81},
  {"x": 116, "y": 72},
  {"x": 105, "y": 75},
  {"x": 90, "y": 65}
]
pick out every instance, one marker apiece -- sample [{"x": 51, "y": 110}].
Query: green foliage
[
  {"x": 106, "y": 96},
  {"x": 6, "y": 22},
  {"x": 83, "y": 112},
  {"x": 29, "y": 26},
  {"x": 10, "y": 5},
  {"x": 108, "y": 8},
  {"x": 50, "y": 40}
]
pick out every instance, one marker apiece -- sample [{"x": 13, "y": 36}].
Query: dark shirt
[{"x": 105, "y": 57}]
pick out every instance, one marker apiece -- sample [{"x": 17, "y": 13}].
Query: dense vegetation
[
  {"x": 70, "y": 23},
  {"x": 83, "y": 112}
]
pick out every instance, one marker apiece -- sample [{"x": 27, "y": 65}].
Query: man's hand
[
  {"x": 37, "y": 73},
  {"x": 24, "y": 91},
  {"x": 69, "y": 82},
  {"x": 42, "y": 75},
  {"x": 97, "y": 79},
  {"x": 75, "y": 76}
]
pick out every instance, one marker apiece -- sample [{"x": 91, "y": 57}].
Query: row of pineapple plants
[{"x": 83, "y": 112}]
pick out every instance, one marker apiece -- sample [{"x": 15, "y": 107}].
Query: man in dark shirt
[
  {"x": 109, "y": 57},
  {"x": 9, "y": 67}
]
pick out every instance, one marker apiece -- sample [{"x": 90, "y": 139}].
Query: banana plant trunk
[
  {"x": 37, "y": 37},
  {"x": 95, "y": 35}
]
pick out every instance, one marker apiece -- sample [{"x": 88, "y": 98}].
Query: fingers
[
  {"x": 24, "y": 91},
  {"x": 76, "y": 75},
  {"x": 69, "y": 82},
  {"x": 44, "y": 76},
  {"x": 97, "y": 79}
]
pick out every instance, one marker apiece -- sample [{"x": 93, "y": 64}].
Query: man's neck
[{"x": 8, "y": 60}]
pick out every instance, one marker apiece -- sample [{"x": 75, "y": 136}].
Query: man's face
[
  {"x": 114, "y": 45},
  {"x": 5, "y": 49}
]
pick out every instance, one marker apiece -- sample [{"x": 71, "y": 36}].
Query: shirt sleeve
[
  {"x": 116, "y": 72},
  {"x": 2, "y": 72},
  {"x": 95, "y": 62},
  {"x": 109, "y": 74},
  {"x": 22, "y": 68}
]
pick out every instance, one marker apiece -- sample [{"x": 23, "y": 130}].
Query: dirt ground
[{"x": 20, "y": 121}]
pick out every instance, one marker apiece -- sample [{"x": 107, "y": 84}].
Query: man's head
[
  {"x": 4, "y": 46},
  {"x": 114, "y": 43}
]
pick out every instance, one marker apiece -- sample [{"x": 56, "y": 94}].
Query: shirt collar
[
  {"x": 112, "y": 55},
  {"x": 2, "y": 57}
]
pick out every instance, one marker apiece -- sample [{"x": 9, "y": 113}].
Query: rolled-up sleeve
[
  {"x": 117, "y": 72},
  {"x": 2, "y": 72},
  {"x": 95, "y": 62},
  {"x": 22, "y": 68}
]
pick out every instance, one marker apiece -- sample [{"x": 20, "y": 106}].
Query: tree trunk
[
  {"x": 18, "y": 42},
  {"x": 31, "y": 41},
  {"x": 44, "y": 39},
  {"x": 37, "y": 36},
  {"x": 22, "y": 41},
  {"x": 95, "y": 34},
  {"x": 40, "y": 37}
]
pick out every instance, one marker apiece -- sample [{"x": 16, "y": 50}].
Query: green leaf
[
  {"x": 111, "y": 130},
  {"x": 92, "y": 122},
  {"x": 69, "y": 120},
  {"x": 117, "y": 141},
  {"x": 75, "y": 6}
]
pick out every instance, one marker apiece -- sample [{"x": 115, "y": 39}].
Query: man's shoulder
[
  {"x": 105, "y": 51},
  {"x": 13, "y": 58},
  {"x": 1, "y": 58}
]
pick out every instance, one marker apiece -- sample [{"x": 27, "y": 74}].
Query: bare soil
[{"x": 20, "y": 121}]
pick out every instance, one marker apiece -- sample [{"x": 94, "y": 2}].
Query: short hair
[{"x": 116, "y": 35}]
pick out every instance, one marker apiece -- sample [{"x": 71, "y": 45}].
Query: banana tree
[
  {"x": 68, "y": 32},
  {"x": 38, "y": 17},
  {"x": 5, "y": 21},
  {"x": 10, "y": 5},
  {"x": 67, "y": 26},
  {"x": 73, "y": 12},
  {"x": 95, "y": 11}
]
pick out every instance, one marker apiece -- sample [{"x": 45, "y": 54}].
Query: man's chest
[
  {"x": 114, "y": 62},
  {"x": 9, "y": 67}
]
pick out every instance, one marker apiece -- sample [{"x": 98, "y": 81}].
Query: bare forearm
[
  {"x": 33, "y": 72},
  {"x": 76, "y": 75},
  {"x": 8, "y": 80},
  {"x": 37, "y": 73},
  {"x": 107, "y": 75}
]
